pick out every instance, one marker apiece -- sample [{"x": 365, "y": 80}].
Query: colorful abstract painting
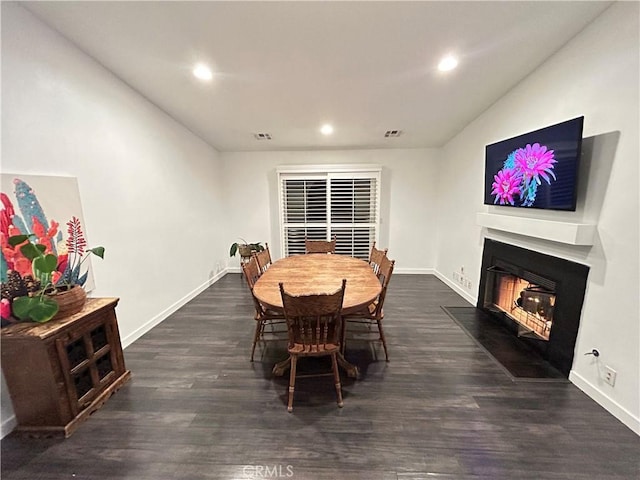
[{"x": 49, "y": 208}]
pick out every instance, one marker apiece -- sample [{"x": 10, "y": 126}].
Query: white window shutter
[{"x": 319, "y": 205}]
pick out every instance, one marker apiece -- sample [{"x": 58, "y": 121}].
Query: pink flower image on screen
[
  {"x": 505, "y": 185},
  {"x": 535, "y": 161}
]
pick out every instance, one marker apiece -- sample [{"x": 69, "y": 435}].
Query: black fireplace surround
[{"x": 571, "y": 281}]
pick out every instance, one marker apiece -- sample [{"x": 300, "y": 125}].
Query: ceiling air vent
[
  {"x": 262, "y": 136},
  {"x": 392, "y": 133}
]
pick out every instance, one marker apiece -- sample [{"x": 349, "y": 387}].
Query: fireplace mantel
[{"x": 562, "y": 232}]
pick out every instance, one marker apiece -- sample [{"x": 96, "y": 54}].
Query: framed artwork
[{"x": 48, "y": 207}]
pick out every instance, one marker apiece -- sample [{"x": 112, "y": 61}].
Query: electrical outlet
[
  {"x": 609, "y": 375},
  {"x": 467, "y": 284}
]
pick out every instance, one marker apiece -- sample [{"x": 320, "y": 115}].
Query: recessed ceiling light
[
  {"x": 448, "y": 63},
  {"x": 326, "y": 129},
  {"x": 202, "y": 72}
]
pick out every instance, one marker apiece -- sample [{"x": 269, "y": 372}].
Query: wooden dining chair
[
  {"x": 263, "y": 316},
  {"x": 314, "y": 328},
  {"x": 263, "y": 258},
  {"x": 320, "y": 246},
  {"x": 375, "y": 257},
  {"x": 373, "y": 314}
]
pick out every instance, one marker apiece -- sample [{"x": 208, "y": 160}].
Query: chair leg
[
  {"x": 384, "y": 341},
  {"x": 343, "y": 337},
  {"x": 292, "y": 381},
  {"x": 336, "y": 377},
  {"x": 256, "y": 336}
]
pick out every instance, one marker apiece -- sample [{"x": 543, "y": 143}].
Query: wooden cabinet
[{"x": 60, "y": 372}]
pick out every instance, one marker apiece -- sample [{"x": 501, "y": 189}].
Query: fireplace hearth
[{"x": 536, "y": 296}]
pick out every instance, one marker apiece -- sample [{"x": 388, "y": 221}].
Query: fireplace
[
  {"x": 536, "y": 296},
  {"x": 524, "y": 297}
]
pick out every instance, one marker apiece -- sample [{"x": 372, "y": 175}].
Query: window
[{"x": 320, "y": 202}]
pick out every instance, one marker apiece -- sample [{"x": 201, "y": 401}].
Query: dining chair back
[
  {"x": 320, "y": 246},
  {"x": 263, "y": 258},
  {"x": 373, "y": 314},
  {"x": 251, "y": 271},
  {"x": 375, "y": 257},
  {"x": 314, "y": 330},
  {"x": 263, "y": 316},
  {"x": 384, "y": 274}
]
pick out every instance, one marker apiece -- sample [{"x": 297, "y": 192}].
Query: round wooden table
[{"x": 319, "y": 273}]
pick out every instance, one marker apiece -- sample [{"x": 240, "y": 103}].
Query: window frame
[{"x": 329, "y": 173}]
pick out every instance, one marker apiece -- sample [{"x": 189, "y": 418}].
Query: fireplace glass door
[{"x": 528, "y": 303}]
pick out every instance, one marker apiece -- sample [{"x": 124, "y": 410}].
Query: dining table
[{"x": 318, "y": 273}]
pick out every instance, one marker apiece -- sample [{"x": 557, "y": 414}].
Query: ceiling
[{"x": 286, "y": 68}]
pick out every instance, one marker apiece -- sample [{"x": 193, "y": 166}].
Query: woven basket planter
[
  {"x": 245, "y": 250},
  {"x": 69, "y": 301}
]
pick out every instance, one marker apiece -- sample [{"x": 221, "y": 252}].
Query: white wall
[
  {"x": 151, "y": 191},
  {"x": 409, "y": 202},
  {"x": 595, "y": 75},
  {"x": 150, "y": 186}
]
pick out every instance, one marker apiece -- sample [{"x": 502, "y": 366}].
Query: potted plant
[
  {"x": 245, "y": 248},
  {"x": 40, "y": 277}
]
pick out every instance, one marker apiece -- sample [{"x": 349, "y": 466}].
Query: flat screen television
[{"x": 538, "y": 169}]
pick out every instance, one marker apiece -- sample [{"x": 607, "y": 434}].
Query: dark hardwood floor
[
  {"x": 518, "y": 358},
  {"x": 196, "y": 408}
]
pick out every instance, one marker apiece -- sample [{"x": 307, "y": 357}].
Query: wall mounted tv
[{"x": 538, "y": 169}]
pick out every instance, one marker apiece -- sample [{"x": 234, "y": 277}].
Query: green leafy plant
[
  {"x": 36, "y": 261},
  {"x": 37, "y": 307},
  {"x": 45, "y": 266},
  {"x": 245, "y": 246}
]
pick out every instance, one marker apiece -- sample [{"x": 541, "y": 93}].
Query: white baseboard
[
  {"x": 611, "y": 406},
  {"x": 132, "y": 337},
  {"x": 10, "y": 423},
  {"x": 607, "y": 403},
  {"x": 406, "y": 271},
  {"x": 414, "y": 271},
  {"x": 457, "y": 288},
  {"x": 622, "y": 414}
]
